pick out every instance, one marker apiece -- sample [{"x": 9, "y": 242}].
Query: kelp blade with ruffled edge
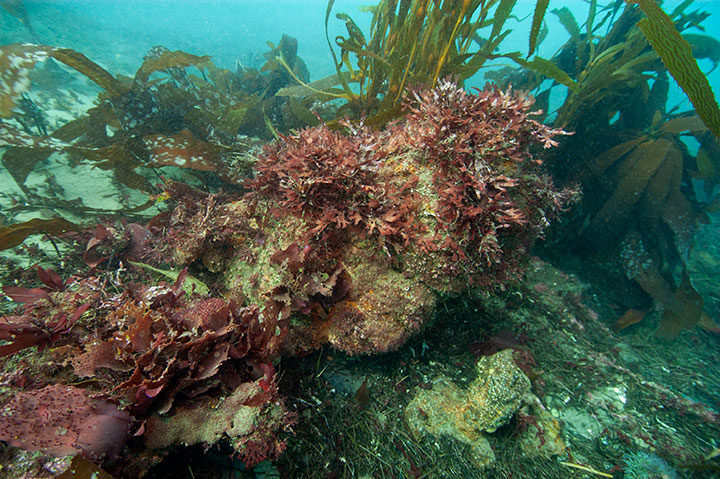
[{"x": 676, "y": 54}]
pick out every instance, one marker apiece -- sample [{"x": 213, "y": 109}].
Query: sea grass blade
[
  {"x": 307, "y": 86},
  {"x": 551, "y": 70},
  {"x": 676, "y": 54},
  {"x": 449, "y": 43}
]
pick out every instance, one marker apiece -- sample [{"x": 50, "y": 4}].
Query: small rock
[{"x": 489, "y": 402}]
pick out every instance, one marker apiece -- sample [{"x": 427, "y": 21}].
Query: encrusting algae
[{"x": 499, "y": 391}]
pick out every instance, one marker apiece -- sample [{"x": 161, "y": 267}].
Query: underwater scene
[{"x": 359, "y": 239}]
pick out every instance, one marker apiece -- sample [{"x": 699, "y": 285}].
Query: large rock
[{"x": 352, "y": 237}]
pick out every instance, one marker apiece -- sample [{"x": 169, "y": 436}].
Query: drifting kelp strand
[
  {"x": 13, "y": 235},
  {"x": 89, "y": 68}
]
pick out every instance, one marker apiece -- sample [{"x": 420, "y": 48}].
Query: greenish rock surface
[{"x": 499, "y": 390}]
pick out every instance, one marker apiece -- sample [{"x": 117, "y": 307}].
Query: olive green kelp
[
  {"x": 644, "y": 192},
  {"x": 411, "y": 42},
  {"x": 676, "y": 54},
  {"x": 179, "y": 110}
]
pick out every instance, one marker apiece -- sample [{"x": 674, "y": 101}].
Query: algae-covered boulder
[
  {"x": 350, "y": 237},
  {"x": 159, "y": 368}
]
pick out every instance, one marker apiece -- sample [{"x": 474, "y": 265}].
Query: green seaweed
[{"x": 190, "y": 285}]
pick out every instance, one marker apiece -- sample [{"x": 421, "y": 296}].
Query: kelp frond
[
  {"x": 646, "y": 174},
  {"x": 14, "y": 235},
  {"x": 676, "y": 54},
  {"x": 413, "y": 42},
  {"x": 18, "y": 59},
  {"x": 538, "y": 17},
  {"x": 640, "y": 205}
]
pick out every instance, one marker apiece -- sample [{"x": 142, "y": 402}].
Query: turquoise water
[{"x": 113, "y": 32}]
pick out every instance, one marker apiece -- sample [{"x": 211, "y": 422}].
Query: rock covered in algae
[
  {"x": 490, "y": 401},
  {"x": 350, "y": 238}
]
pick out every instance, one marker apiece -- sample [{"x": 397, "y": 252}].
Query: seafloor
[
  {"x": 623, "y": 404},
  {"x": 619, "y": 405}
]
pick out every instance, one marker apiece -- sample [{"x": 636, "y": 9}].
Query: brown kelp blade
[
  {"x": 631, "y": 316},
  {"x": 168, "y": 59},
  {"x": 18, "y": 59},
  {"x": 14, "y": 235},
  {"x": 684, "y": 311}
]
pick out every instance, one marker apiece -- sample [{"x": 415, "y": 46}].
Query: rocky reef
[
  {"x": 349, "y": 238},
  {"x": 499, "y": 391}
]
